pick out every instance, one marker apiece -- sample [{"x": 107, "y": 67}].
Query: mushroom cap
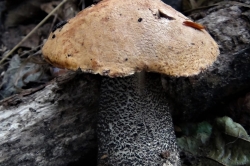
[{"x": 118, "y": 38}]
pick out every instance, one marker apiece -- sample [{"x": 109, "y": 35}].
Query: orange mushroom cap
[{"x": 118, "y": 38}]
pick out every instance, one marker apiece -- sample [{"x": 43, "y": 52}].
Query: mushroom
[{"x": 121, "y": 40}]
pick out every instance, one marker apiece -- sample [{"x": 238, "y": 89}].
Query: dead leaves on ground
[
  {"x": 19, "y": 19},
  {"x": 221, "y": 143}
]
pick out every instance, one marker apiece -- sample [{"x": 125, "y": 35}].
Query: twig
[
  {"x": 32, "y": 50},
  {"x": 31, "y": 32},
  {"x": 53, "y": 23}
]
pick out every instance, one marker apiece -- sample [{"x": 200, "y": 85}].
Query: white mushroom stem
[{"x": 135, "y": 126}]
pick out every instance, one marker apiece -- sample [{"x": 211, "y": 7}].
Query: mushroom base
[{"x": 134, "y": 123}]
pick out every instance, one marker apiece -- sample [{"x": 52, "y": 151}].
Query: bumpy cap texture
[{"x": 118, "y": 38}]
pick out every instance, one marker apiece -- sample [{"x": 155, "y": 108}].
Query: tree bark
[
  {"x": 196, "y": 96},
  {"x": 53, "y": 126}
]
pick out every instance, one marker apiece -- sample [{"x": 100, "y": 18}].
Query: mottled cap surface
[{"x": 118, "y": 38}]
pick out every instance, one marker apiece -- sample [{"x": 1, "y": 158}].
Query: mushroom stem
[{"x": 134, "y": 123}]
